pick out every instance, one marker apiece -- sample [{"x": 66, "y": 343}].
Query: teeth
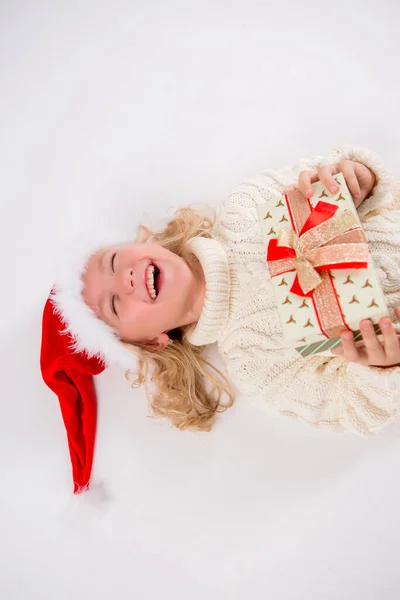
[{"x": 150, "y": 281}]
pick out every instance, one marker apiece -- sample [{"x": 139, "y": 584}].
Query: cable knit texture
[{"x": 241, "y": 315}]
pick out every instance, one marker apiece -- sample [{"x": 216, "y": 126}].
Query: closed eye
[
  {"x": 113, "y": 305},
  {"x": 112, "y": 261}
]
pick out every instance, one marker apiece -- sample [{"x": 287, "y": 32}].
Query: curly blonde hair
[{"x": 186, "y": 387}]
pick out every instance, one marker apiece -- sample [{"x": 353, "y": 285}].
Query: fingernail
[
  {"x": 333, "y": 188},
  {"x": 365, "y": 325},
  {"x": 356, "y": 196},
  {"x": 385, "y": 323},
  {"x": 346, "y": 337},
  {"x": 309, "y": 192}
]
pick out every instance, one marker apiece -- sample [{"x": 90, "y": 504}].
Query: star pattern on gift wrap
[
  {"x": 304, "y": 304},
  {"x": 268, "y": 215},
  {"x": 367, "y": 284},
  {"x": 291, "y": 320},
  {"x": 373, "y": 304},
  {"x": 287, "y": 300},
  {"x": 348, "y": 280},
  {"x": 302, "y": 340},
  {"x": 283, "y": 282},
  {"x": 271, "y": 231},
  {"x": 323, "y": 195},
  {"x": 280, "y": 203},
  {"x": 340, "y": 197},
  {"x": 283, "y": 219},
  {"x": 308, "y": 323},
  {"x": 354, "y": 300}
]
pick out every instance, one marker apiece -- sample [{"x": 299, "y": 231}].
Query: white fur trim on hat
[{"x": 89, "y": 333}]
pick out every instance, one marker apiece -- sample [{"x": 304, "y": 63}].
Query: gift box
[{"x": 321, "y": 268}]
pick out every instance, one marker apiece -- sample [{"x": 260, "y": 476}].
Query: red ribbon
[{"x": 322, "y": 212}]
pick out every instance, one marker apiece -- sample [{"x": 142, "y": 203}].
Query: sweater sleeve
[
  {"x": 382, "y": 193},
  {"x": 327, "y": 392}
]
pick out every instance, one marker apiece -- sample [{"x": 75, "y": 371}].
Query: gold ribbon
[{"x": 337, "y": 240}]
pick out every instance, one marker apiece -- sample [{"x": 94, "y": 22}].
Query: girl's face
[{"x": 143, "y": 291}]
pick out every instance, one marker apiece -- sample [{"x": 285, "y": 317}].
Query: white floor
[{"x": 114, "y": 111}]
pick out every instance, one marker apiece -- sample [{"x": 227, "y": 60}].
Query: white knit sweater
[{"x": 240, "y": 311}]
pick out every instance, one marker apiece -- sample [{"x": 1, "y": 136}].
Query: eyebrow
[
  {"x": 103, "y": 298},
  {"x": 101, "y": 261}
]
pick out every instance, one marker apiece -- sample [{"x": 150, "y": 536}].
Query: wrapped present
[{"x": 320, "y": 266}]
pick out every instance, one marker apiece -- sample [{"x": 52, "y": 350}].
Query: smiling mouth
[{"x": 153, "y": 280}]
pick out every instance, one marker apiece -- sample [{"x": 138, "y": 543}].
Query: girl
[{"x": 161, "y": 301}]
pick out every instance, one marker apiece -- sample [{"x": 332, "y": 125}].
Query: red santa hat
[{"x": 76, "y": 345}]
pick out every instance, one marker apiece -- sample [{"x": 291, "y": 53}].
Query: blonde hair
[{"x": 186, "y": 387}]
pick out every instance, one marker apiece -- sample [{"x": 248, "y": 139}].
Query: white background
[{"x": 117, "y": 110}]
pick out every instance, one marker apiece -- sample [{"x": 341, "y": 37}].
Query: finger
[
  {"x": 305, "y": 180},
  {"x": 397, "y": 311},
  {"x": 373, "y": 347},
  {"x": 338, "y": 350},
  {"x": 390, "y": 341},
  {"x": 347, "y": 168},
  {"x": 325, "y": 175},
  {"x": 350, "y": 350}
]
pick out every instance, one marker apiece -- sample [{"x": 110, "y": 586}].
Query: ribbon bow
[{"x": 326, "y": 241}]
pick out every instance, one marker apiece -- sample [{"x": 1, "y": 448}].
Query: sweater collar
[{"x": 214, "y": 315}]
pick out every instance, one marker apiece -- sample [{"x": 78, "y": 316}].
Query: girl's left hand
[
  {"x": 360, "y": 180},
  {"x": 373, "y": 352}
]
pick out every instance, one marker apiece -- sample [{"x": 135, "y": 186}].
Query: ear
[{"x": 157, "y": 344}]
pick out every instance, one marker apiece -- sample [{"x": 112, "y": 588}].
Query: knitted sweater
[{"x": 240, "y": 312}]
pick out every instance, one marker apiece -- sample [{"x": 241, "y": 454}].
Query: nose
[{"x": 127, "y": 283}]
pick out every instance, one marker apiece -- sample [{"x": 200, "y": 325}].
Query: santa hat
[{"x": 76, "y": 345}]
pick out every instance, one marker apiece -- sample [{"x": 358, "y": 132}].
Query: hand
[
  {"x": 374, "y": 352},
  {"x": 360, "y": 180}
]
